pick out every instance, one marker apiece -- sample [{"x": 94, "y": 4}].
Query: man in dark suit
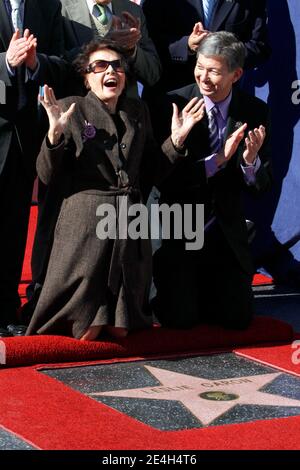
[
  {"x": 79, "y": 29},
  {"x": 24, "y": 65},
  {"x": 178, "y": 26},
  {"x": 227, "y": 151}
]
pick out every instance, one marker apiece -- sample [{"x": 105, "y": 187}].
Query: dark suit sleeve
[
  {"x": 263, "y": 177},
  {"x": 53, "y": 70},
  {"x": 257, "y": 45},
  {"x": 58, "y": 74},
  {"x": 146, "y": 65},
  {"x": 158, "y": 161},
  {"x": 169, "y": 42},
  {"x": 56, "y": 39},
  {"x": 178, "y": 49}
]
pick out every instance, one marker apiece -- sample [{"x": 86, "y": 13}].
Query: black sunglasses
[{"x": 99, "y": 66}]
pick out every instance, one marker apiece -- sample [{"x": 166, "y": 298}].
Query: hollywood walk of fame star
[{"x": 207, "y": 399}]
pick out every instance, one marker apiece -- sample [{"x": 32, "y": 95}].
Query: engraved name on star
[{"x": 206, "y": 399}]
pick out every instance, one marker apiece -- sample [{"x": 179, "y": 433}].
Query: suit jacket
[
  {"x": 220, "y": 193},
  {"x": 78, "y": 31},
  {"x": 43, "y": 20},
  {"x": 170, "y": 22}
]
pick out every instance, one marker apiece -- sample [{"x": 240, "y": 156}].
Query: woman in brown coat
[{"x": 100, "y": 148}]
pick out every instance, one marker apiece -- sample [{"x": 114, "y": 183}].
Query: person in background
[
  {"x": 30, "y": 32},
  {"x": 229, "y": 150},
  {"x": 100, "y": 150},
  {"x": 125, "y": 24},
  {"x": 177, "y": 27}
]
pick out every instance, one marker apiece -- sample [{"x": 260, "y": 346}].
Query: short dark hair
[
  {"x": 82, "y": 60},
  {"x": 225, "y": 45}
]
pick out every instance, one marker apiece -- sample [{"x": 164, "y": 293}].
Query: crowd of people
[{"x": 72, "y": 115}]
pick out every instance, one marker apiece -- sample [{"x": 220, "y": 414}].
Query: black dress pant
[
  {"x": 49, "y": 203},
  {"x": 204, "y": 286},
  {"x": 16, "y": 184}
]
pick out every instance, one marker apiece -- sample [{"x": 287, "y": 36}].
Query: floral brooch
[{"x": 89, "y": 131}]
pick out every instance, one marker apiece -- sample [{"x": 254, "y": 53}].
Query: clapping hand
[
  {"x": 231, "y": 144},
  {"x": 196, "y": 36},
  {"x": 31, "y": 59},
  {"x": 58, "y": 118},
  {"x": 253, "y": 143},
  {"x": 183, "y": 122},
  {"x": 21, "y": 49},
  {"x": 126, "y": 31}
]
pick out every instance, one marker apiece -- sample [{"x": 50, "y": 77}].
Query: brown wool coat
[{"x": 92, "y": 281}]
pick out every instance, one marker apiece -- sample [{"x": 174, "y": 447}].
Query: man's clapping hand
[{"x": 22, "y": 49}]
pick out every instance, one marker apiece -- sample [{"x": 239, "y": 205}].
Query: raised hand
[
  {"x": 196, "y": 36},
  {"x": 126, "y": 31},
  {"x": 58, "y": 118},
  {"x": 183, "y": 122},
  {"x": 231, "y": 144},
  {"x": 253, "y": 143},
  {"x": 17, "y": 50},
  {"x": 130, "y": 21},
  {"x": 31, "y": 59}
]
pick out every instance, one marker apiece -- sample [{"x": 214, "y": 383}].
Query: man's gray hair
[{"x": 225, "y": 45}]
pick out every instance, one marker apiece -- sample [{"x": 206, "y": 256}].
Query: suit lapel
[
  {"x": 77, "y": 11},
  {"x": 234, "y": 120},
  {"x": 222, "y": 10},
  {"x": 195, "y": 92},
  {"x": 197, "y": 5},
  {"x": 117, "y": 7},
  {"x": 6, "y": 31}
]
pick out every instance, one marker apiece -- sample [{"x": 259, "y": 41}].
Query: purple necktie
[{"x": 213, "y": 129}]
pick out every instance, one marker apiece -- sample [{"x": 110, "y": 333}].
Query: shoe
[
  {"x": 26, "y": 311},
  {"x": 16, "y": 330},
  {"x": 4, "y": 333}
]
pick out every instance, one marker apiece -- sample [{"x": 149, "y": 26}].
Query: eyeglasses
[{"x": 99, "y": 66}]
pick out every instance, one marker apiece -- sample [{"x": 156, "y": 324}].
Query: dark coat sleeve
[
  {"x": 159, "y": 161},
  {"x": 169, "y": 34},
  {"x": 259, "y": 114},
  {"x": 53, "y": 161},
  {"x": 53, "y": 70},
  {"x": 256, "y": 41},
  {"x": 50, "y": 161},
  {"x": 146, "y": 65}
]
